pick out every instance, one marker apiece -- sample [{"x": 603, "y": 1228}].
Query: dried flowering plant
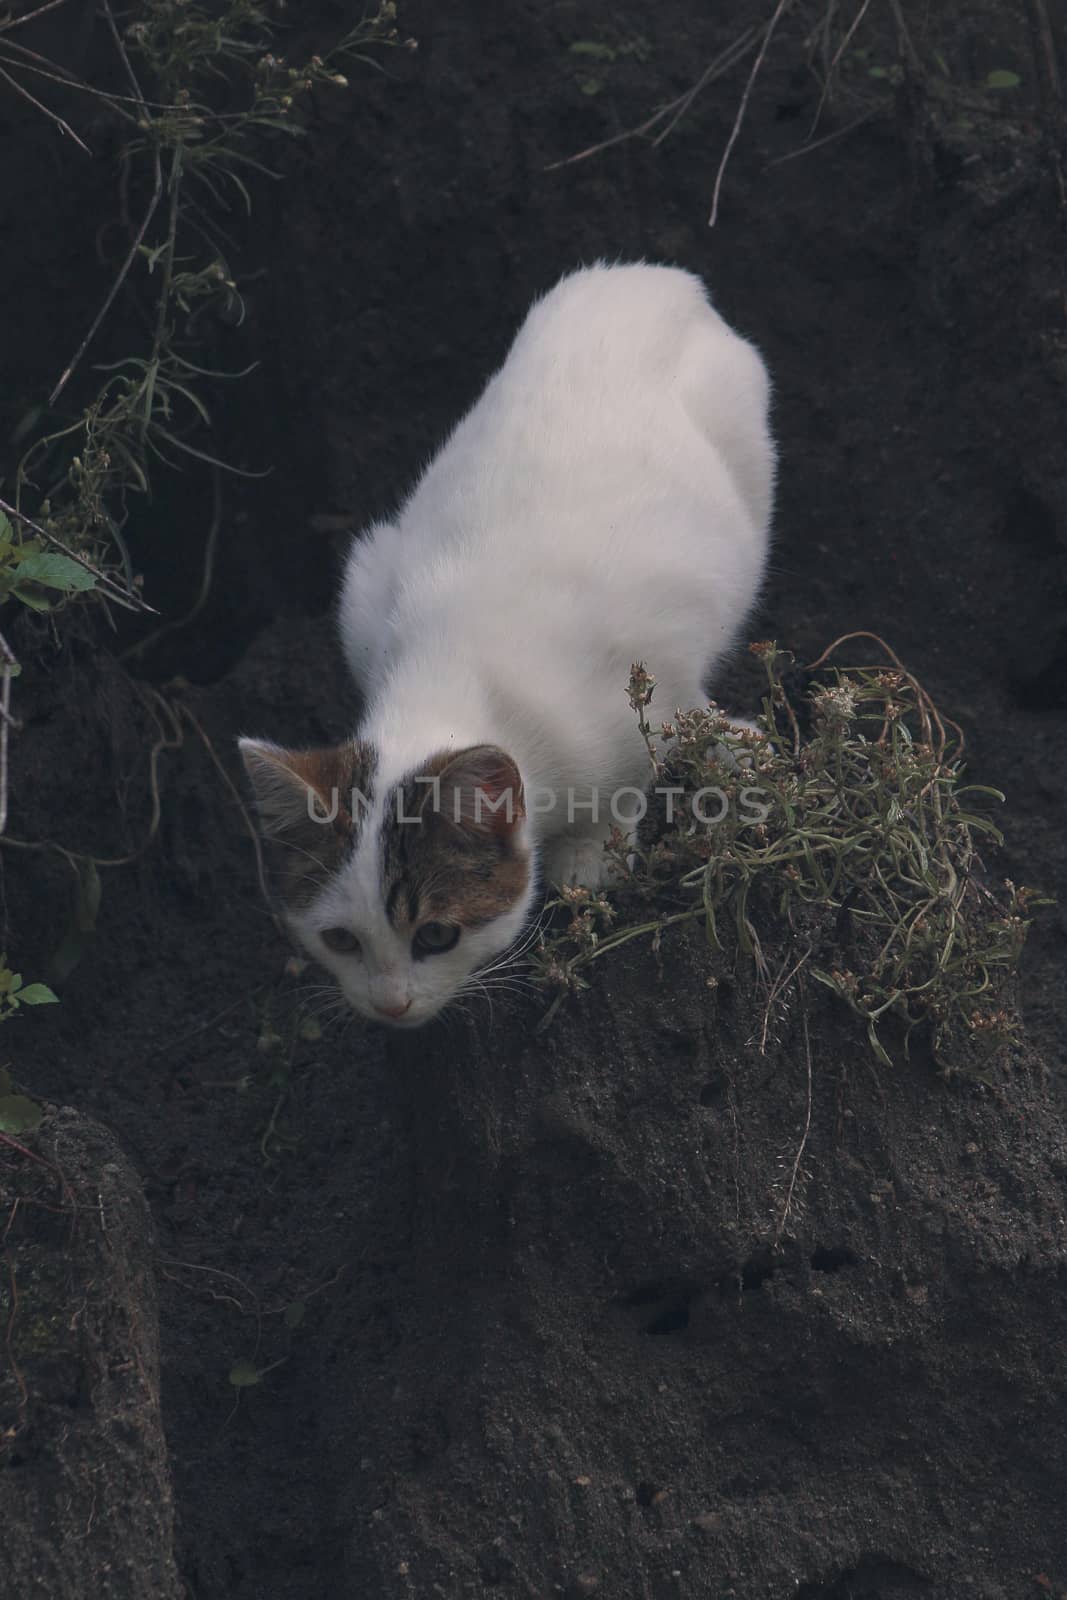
[{"x": 856, "y": 837}]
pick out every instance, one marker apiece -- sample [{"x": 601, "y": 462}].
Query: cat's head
[{"x": 402, "y": 890}]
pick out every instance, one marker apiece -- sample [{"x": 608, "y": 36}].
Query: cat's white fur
[{"x": 606, "y": 501}]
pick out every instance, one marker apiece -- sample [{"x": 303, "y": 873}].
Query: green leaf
[
  {"x": 54, "y": 572},
  {"x": 244, "y": 1374},
  {"x": 38, "y": 994},
  {"x": 294, "y": 1314},
  {"x": 877, "y": 1046},
  {"x": 19, "y": 1114},
  {"x": 591, "y": 85},
  {"x": 590, "y": 47},
  {"x": 1001, "y": 78},
  {"x": 36, "y": 602}
]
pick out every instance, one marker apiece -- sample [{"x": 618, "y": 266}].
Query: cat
[{"x": 606, "y": 501}]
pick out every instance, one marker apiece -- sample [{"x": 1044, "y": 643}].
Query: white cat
[{"x": 606, "y": 501}]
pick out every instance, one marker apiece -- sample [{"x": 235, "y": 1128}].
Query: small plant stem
[
  {"x": 1043, "y": 28},
  {"x": 804, "y": 1136},
  {"x": 614, "y": 940},
  {"x": 138, "y": 239},
  {"x": 53, "y": 116},
  {"x": 674, "y": 109},
  {"x": 832, "y": 66},
  {"x": 828, "y": 138},
  {"x": 30, "y": 16},
  {"x": 907, "y": 49},
  {"x": 122, "y": 597},
  {"x": 7, "y": 722},
  {"x": 199, "y": 603},
  {"x": 779, "y": 11},
  {"x": 174, "y": 186}
]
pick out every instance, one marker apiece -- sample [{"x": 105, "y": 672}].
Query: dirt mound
[{"x": 85, "y": 1495}]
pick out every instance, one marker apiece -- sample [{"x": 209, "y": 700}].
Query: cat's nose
[{"x": 393, "y": 1011}]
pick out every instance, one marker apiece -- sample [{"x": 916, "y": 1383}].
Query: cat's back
[
  {"x": 624, "y": 443},
  {"x": 616, "y": 367},
  {"x": 637, "y": 316}
]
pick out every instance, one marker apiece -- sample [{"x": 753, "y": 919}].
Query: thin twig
[
  {"x": 779, "y": 11},
  {"x": 723, "y": 64},
  {"x": 831, "y": 69},
  {"x": 30, "y": 61},
  {"x": 123, "y": 597},
  {"x": 152, "y": 639},
  {"x": 9, "y": 1329},
  {"x": 828, "y": 138},
  {"x": 904, "y": 40},
  {"x": 31, "y": 16},
  {"x": 1043, "y": 28},
  {"x": 804, "y": 1136},
  {"x": 7, "y": 722},
  {"x": 131, "y": 255},
  {"x": 927, "y": 709},
  {"x": 775, "y": 990},
  {"x": 53, "y": 116},
  {"x": 674, "y": 108}
]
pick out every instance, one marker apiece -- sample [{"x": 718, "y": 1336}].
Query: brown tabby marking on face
[
  {"x": 295, "y": 792},
  {"x": 466, "y": 872}
]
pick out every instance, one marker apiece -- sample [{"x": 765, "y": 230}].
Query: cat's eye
[
  {"x": 434, "y": 938},
  {"x": 340, "y": 940}
]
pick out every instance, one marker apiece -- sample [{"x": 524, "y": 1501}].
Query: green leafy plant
[
  {"x": 859, "y": 838},
  {"x": 205, "y": 91},
  {"x": 14, "y": 993},
  {"x": 18, "y": 1113}
]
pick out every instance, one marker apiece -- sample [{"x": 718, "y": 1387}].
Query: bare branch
[
  {"x": 674, "y": 109},
  {"x": 53, "y": 116},
  {"x": 124, "y": 597},
  {"x": 7, "y": 722},
  {"x": 827, "y": 138},
  {"x": 31, "y": 16},
  {"x": 779, "y": 11},
  {"x": 131, "y": 255},
  {"x": 831, "y": 69}
]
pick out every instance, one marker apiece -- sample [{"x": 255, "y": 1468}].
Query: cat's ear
[
  {"x": 479, "y": 791},
  {"x": 295, "y": 789}
]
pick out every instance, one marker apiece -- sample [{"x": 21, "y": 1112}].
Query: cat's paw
[{"x": 579, "y": 863}]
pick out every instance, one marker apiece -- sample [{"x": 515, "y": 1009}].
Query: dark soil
[
  {"x": 630, "y": 1307},
  {"x": 86, "y": 1488}
]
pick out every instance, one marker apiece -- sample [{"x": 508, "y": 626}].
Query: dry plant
[{"x": 858, "y": 838}]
